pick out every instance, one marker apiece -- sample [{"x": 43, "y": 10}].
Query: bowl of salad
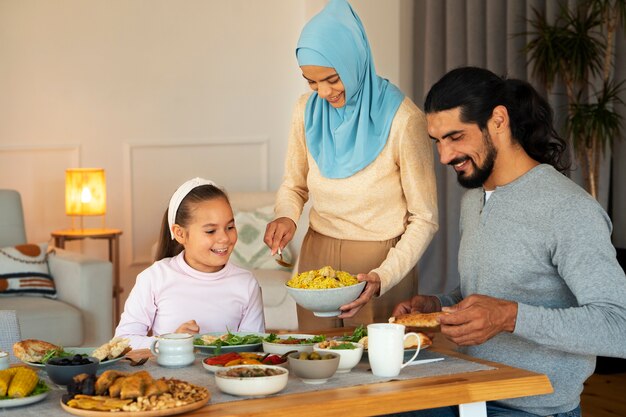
[
  {"x": 280, "y": 344},
  {"x": 350, "y": 353}
]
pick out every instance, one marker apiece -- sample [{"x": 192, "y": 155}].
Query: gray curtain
[{"x": 489, "y": 34}]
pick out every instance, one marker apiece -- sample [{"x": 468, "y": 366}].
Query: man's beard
[{"x": 480, "y": 174}]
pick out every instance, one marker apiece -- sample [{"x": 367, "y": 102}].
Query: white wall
[{"x": 156, "y": 92}]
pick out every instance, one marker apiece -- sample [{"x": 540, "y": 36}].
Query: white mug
[
  {"x": 385, "y": 348},
  {"x": 173, "y": 350},
  {"x": 4, "y": 360}
]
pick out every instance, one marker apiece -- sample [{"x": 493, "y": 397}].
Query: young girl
[{"x": 192, "y": 288}]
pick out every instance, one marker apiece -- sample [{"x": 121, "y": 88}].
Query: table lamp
[{"x": 85, "y": 193}]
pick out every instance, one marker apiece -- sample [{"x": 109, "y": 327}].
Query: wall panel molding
[{"x": 153, "y": 171}]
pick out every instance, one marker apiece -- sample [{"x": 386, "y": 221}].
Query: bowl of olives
[
  {"x": 313, "y": 367},
  {"x": 62, "y": 370}
]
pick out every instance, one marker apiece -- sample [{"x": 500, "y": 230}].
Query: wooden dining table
[{"x": 469, "y": 391}]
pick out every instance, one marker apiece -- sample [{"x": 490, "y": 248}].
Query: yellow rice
[{"x": 323, "y": 278}]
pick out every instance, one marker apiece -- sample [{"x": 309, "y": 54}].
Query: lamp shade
[{"x": 85, "y": 192}]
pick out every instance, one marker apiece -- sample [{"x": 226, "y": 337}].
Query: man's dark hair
[{"x": 477, "y": 91}]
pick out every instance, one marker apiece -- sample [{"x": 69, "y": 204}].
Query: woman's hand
[
  {"x": 190, "y": 327},
  {"x": 418, "y": 304},
  {"x": 372, "y": 288},
  {"x": 278, "y": 233}
]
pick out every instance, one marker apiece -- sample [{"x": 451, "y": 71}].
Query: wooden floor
[{"x": 605, "y": 396}]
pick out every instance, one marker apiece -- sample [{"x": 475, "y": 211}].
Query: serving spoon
[{"x": 280, "y": 261}]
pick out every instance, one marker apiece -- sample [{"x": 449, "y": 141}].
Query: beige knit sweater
[{"x": 394, "y": 195}]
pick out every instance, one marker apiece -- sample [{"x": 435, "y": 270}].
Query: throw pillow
[
  {"x": 250, "y": 251},
  {"x": 24, "y": 271}
]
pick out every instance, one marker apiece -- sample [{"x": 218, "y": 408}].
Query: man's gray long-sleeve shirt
[{"x": 545, "y": 243}]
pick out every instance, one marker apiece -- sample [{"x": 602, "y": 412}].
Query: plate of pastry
[{"x": 125, "y": 394}]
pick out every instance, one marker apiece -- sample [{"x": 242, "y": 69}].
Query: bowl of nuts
[
  {"x": 62, "y": 370},
  {"x": 313, "y": 367}
]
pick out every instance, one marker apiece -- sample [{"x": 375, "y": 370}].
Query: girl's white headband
[{"x": 178, "y": 196}]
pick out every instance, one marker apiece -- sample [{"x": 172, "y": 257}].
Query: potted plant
[{"x": 578, "y": 49}]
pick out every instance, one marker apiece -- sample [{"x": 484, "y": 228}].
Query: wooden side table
[{"x": 112, "y": 235}]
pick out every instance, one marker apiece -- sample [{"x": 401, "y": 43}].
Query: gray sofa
[{"x": 81, "y": 315}]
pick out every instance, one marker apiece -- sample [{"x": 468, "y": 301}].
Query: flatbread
[
  {"x": 32, "y": 350},
  {"x": 419, "y": 320},
  {"x": 411, "y": 341}
]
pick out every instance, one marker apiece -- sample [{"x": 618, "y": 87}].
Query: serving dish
[
  {"x": 18, "y": 402},
  {"x": 282, "y": 345},
  {"x": 325, "y": 302},
  {"x": 246, "y": 355},
  {"x": 152, "y": 413},
  {"x": 252, "y": 386},
  {"x": 80, "y": 351},
  {"x": 217, "y": 349},
  {"x": 63, "y": 374}
]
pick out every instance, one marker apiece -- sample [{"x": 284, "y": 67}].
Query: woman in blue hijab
[{"x": 359, "y": 150}]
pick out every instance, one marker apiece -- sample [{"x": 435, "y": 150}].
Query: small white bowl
[
  {"x": 348, "y": 358},
  {"x": 325, "y": 302},
  {"x": 252, "y": 385},
  {"x": 313, "y": 371},
  {"x": 282, "y": 348}
]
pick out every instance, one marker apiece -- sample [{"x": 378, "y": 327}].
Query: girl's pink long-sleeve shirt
[{"x": 170, "y": 292}]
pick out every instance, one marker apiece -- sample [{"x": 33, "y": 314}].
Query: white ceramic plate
[
  {"x": 81, "y": 351},
  {"x": 16, "y": 402},
  {"x": 408, "y": 353},
  {"x": 282, "y": 348},
  {"x": 212, "y": 349}
]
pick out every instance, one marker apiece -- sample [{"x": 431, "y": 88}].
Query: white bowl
[
  {"x": 282, "y": 348},
  {"x": 348, "y": 358},
  {"x": 325, "y": 302},
  {"x": 252, "y": 385}
]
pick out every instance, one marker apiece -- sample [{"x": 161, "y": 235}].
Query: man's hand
[
  {"x": 190, "y": 327},
  {"x": 477, "y": 319},
  {"x": 418, "y": 304},
  {"x": 372, "y": 288},
  {"x": 278, "y": 233}
]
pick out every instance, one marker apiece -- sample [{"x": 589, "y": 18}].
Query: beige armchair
[{"x": 81, "y": 315}]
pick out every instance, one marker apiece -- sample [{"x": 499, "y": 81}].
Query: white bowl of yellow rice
[{"x": 324, "y": 290}]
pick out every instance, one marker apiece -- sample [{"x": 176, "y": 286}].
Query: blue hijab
[{"x": 344, "y": 141}]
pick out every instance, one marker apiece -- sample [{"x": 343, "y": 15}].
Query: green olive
[
  {"x": 328, "y": 356},
  {"x": 303, "y": 356},
  {"x": 315, "y": 356}
]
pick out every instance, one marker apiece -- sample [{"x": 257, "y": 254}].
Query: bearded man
[{"x": 540, "y": 286}]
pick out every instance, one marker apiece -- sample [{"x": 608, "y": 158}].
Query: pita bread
[
  {"x": 32, "y": 350},
  {"x": 411, "y": 341},
  {"x": 428, "y": 321}
]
